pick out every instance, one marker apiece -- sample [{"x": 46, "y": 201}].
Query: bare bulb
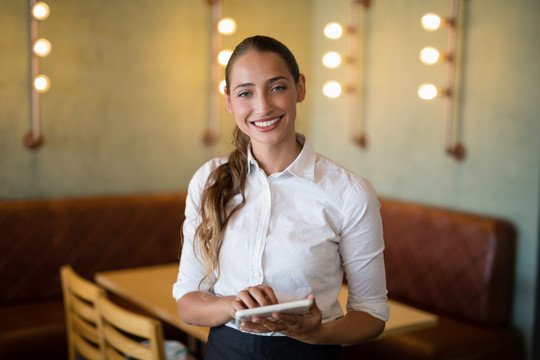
[
  {"x": 222, "y": 85},
  {"x": 227, "y": 26},
  {"x": 331, "y": 59},
  {"x": 40, "y": 11},
  {"x": 429, "y": 55},
  {"x": 42, "y": 47},
  {"x": 42, "y": 83},
  {"x": 431, "y": 22},
  {"x": 333, "y": 31},
  {"x": 428, "y": 91},
  {"x": 332, "y": 89},
  {"x": 224, "y": 56}
]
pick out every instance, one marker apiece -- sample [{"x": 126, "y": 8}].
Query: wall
[
  {"x": 128, "y": 104},
  {"x": 499, "y": 110}
]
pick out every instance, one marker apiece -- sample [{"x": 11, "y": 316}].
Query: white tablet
[{"x": 298, "y": 307}]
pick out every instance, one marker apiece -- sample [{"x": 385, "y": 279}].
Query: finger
[
  {"x": 247, "y": 300},
  {"x": 269, "y": 293},
  {"x": 262, "y": 325},
  {"x": 238, "y": 304},
  {"x": 263, "y": 295}
]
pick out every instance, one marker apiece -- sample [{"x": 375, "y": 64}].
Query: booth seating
[
  {"x": 91, "y": 234},
  {"x": 456, "y": 265}
]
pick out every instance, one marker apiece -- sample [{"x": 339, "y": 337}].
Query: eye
[
  {"x": 278, "y": 88},
  {"x": 243, "y": 94}
]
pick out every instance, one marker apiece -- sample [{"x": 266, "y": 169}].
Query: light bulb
[
  {"x": 42, "y": 47},
  {"x": 431, "y": 21},
  {"x": 224, "y": 56},
  {"x": 429, "y": 55},
  {"x": 331, "y": 59},
  {"x": 40, "y": 11},
  {"x": 333, "y": 31},
  {"x": 226, "y": 26},
  {"x": 222, "y": 85},
  {"x": 332, "y": 89},
  {"x": 428, "y": 91},
  {"x": 42, "y": 83}
]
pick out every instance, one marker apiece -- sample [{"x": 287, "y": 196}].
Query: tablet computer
[{"x": 298, "y": 307}]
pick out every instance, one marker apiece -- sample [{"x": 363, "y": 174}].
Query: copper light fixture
[{"x": 427, "y": 91}]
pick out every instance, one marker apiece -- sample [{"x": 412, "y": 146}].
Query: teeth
[{"x": 266, "y": 123}]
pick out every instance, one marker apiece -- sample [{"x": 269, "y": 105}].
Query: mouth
[{"x": 262, "y": 124}]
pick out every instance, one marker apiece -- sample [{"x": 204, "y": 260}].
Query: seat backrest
[
  {"x": 90, "y": 233},
  {"x": 122, "y": 331},
  {"x": 80, "y": 297},
  {"x": 449, "y": 262}
]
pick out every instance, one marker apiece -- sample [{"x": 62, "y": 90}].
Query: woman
[{"x": 277, "y": 222}]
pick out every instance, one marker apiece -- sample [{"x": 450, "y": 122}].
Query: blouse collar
[{"x": 302, "y": 167}]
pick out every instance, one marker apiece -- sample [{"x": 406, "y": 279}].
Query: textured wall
[
  {"x": 500, "y": 114},
  {"x": 129, "y": 97}
]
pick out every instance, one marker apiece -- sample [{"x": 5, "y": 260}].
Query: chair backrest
[
  {"x": 122, "y": 332},
  {"x": 80, "y": 296}
]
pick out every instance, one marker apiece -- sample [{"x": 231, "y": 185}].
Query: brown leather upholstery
[
  {"x": 449, "y": 262},
  {"x": 454, "y": 264},
  {"x": 91, "y": 234},
  {"x": 449, "y": 340}
]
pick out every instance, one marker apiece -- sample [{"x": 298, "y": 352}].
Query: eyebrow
[{"x": 269, "y": 81}]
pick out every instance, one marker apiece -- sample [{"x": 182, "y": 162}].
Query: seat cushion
[
  {"x": 450, "y": 339},
  {"x": 33, "y": 331}
]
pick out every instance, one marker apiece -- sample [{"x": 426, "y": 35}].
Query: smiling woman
[
  {"x": 277, "y": 222},
  {"x": 263, "y": 99}
]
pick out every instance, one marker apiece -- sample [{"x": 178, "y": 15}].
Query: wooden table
[{"x": 151, "y": 289}]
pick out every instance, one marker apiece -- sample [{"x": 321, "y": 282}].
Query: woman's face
[{"x": 263, "y": 97}]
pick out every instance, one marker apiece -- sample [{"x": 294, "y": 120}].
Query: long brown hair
[{"x": 229, "y": 179}]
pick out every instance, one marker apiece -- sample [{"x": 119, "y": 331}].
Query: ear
[
  {"x": 227, "y": 100},
  {"x": 301, "y": 88}
]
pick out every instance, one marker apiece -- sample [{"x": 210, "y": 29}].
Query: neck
[{"x": 274, "y": 159}]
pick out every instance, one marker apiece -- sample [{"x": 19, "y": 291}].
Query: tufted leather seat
[
  {"x": 91, "y": 234},
  {"x": 457, "y": 265}
]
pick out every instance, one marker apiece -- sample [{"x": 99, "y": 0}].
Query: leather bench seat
[
  {"x": 90, "y": 234},
  {"x": 30, "y": 327},
  {"x": 450, "y": 339},
  {"x": 459, "y": 266}
]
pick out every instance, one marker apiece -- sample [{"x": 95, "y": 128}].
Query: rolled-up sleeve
[{"x": 361, "y": 248}]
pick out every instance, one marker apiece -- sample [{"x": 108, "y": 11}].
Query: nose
[{"x": 264, "y": 104}]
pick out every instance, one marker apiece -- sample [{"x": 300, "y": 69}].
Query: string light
[
  {"x": 428, "y": 91},
  {"x": 332, "y": 89},
  {"x": 42, "y": 83},
  {"x": 333, "y": 31},
  {"x": 42, "y": 47},
  {"x": 222, "y": 85},
  {"x": 429, "y": 55},
  {"x": 227, "y": 26},
  {"x": 331, "y": 59},
  {"x": 224, "y": 56},
  {"x": 40, "y": 11},
  {"x": 431, "y": 22}
]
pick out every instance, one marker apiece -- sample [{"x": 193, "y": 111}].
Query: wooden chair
[
  {"x": 80, "y": 296},
  {"x": 121, "y": 331}
]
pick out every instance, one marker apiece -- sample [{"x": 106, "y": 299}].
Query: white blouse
[{"x": 297, "y": 232}]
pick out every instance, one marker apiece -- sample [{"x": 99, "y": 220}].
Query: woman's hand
[
  {"x": 300, "y": 327},
  {"x": 253, "y": 297}
]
